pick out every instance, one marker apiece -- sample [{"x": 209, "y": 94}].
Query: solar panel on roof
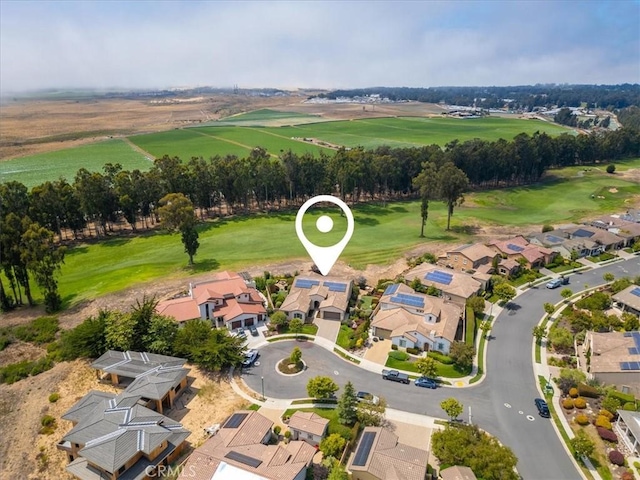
[
  {"x": 303, "y": 283},
  {"x": 636, "y": 292},
  {"x": 628, "y": 334},
  {"x": 362, "y": 454},
  {"x": 634, "y": 351},
  {"x": 439, "y": 277},
  {"x": 410, "y": 300},
  {"x": 624, "y": 366},
  {"x": 242, "y": 458},
  {"x": 235, "y": 420},
  {"x": 583, "y": 233},
  {"x": 554, "y": 239},
  {"x": 391, "y": 289},
  {"x": 336, "y": 286},
  {"x": 514, "y": 247}
]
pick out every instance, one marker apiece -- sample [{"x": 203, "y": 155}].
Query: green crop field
[
  {"x": 382, "y": 234},
  {"x": 36, "y": 169},
  {"x": 396, "y": 132},
  {"x": 239, "y": 140}
]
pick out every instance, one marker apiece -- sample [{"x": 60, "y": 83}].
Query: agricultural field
[
  {"x": 382, "y": 234},
  {"x": 36, "y": 169},
  {"x": 371, "y": 133},
  {"x": 267, "y": 117},
  {"x": 240, "y": 140}
]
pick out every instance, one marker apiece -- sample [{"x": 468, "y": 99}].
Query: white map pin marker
[{"x": 324, "y": 257}]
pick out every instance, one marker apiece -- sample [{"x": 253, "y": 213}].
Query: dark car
[
  {"x": 543, "y": 408},
  {"x": 426, "y": 382},
  {"x": 253, "y": 330}
]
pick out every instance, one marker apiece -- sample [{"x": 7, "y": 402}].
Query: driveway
[
  {"x": 327, "y": 329},
  {"x": 378, "y": 352}
]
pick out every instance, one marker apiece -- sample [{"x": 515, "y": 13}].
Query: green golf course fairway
[{"x": 382, "y": 234}]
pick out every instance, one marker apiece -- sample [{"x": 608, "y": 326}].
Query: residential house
[
  {"x": 308, "y": 426},
  {"x": 613, "y": 358},
  {"x": 628, "y": 231},
  {"x": 605, "y": 238},
  {"x": 632, "y": 215},
  {"x": 155, "y": 379},
  {"x": 415, "y": 320},
  {"x": 457, "y": 287},
  {"x": 627, "y": 426},
  {"x": 118, "y": 437},
  {"x": 317, "y": 296},
  {"x": 518, "y": 249},
  {"x": 559, "y": 241},
  {"x": 457, "y": 473},
  {"x": 241, "y": 449},
  {"x": 229, "y": 300},
  {"x": 468, "y": 257},
  {"x": 629, "y": 299},
  {"x": 379, "y": 456}
]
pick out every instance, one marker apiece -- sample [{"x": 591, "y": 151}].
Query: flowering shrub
[
  {"x": 607, "y": 435},
  {"x": 616, "y": 458},
  {"x": 567, "y": 403},
  {"x": 606, "y": 413},
  {"x": 603, "y": 422},
  {"x": 580, "y": 403},
  {"x": 582, "y": 419},
  {"x": 573, "y": 393}
]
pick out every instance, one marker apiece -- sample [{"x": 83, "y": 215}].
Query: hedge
[
  {"x": 587, "y": 391},
  {"x": 442, "y": 358}
]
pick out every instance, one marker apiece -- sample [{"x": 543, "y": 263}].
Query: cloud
[{"x": 316, "y": 44}]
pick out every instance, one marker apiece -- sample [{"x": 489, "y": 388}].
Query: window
[
  {"x": 440, "y": 346},
  {"x": 403, "y": 342},
  {"x": 297, "y": 315}
]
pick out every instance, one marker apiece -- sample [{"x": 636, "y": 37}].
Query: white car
[{"x": 249, "y": 357}]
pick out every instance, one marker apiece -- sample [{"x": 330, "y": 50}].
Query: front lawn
[
  {"x": 307, "y": 329},
  {"x": 565, "y": 268},
  {"x": 344, "y": 337},
  {"x": 446, "y": 371},
  {"x": 603, "y": 257}
]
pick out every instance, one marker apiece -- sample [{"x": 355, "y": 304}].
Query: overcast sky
[{"x": 158, "y": 44}]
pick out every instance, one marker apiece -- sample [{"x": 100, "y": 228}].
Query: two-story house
[{"x": 229, "y": 300}]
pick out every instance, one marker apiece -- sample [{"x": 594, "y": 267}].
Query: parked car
[
  {"x": 367, "y": 397},
  {"x": 543, "y": 408},
  {"x": 395, "y": 376},
  {"x": 239, "y": 332},
  {"x": 565, "y": 280},
  {"x": 253, "y": 330},
  {"x": 426, "y": 382},
  {"x": 249, "y": 357},
  {"x": 555, "y": 283}
]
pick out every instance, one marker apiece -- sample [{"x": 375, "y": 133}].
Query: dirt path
[
  {"x": 233, "y": 143},
  {"x": 135, "y": 147}
]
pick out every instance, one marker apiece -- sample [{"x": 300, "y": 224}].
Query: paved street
[{"x": 502, "y": 404}]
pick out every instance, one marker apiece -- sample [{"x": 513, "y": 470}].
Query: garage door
[
  {"x": 236, "y": 324},
  {"x": 382, "y": 333},
  {"x": 248, "y": 322},
  {"x": 331, "y": 315}
]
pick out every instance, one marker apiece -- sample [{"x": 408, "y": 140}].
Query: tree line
[
  {"x": 522, "y": 97},
  {"x": 95, "y": 202}
]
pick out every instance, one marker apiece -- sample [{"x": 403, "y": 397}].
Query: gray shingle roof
[
  {"x": 132, "y": 364},
  {"x": 86, "y": 405}
]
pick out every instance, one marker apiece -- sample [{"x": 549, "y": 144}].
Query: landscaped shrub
[
  {"x": 606, "y": 413},
  {"x": 394, "y": 346},
  {"x": 629, "y": 406},
  {"x": 616, "y": 458},
  {"x": 54, "y": 397},
  {"x": 400, "y": 356},
  {"x": 567, "y": 403},
  {"x": 573, "y": 393},
  {"x": 607, "y": 435},
  {"x": 623, "y": 397},
  {"x": 582, "y": 419},
  {"x": 413, "y": 351},
  {"x": 442, "y": 358},
  {"x": 628, "y": 475},
  {"x": 580, "y": 403},
  {"x": 276, "y": 430},
  {"x": 603, "y": 422},
  {"x": 585, "y": 390}
]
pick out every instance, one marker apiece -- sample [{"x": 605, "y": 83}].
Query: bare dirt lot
[{"x": 27, "y": 454}]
